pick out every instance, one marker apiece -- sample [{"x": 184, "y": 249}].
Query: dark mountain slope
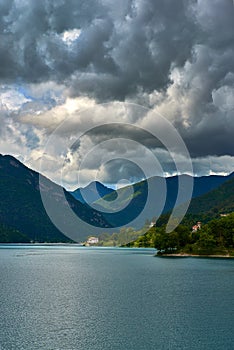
[
  {"x": 22, "y": 209},
  {"x": 213, "y": 208},
  {"x": 208, "y": 206},
  {"x": 140, "y": 192},
  {"x": 10, "y": 235},
  {"x": 212, "y": 204}
]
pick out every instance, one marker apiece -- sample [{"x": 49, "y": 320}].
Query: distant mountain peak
[{"x": 91, "y": 193}]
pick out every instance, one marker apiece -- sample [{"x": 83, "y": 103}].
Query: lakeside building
[
  {"x": 196, "y": 227},
  {"x": 92, "y": 240}
]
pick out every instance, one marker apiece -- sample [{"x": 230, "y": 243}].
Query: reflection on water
[{"x": 68, "y": 297}]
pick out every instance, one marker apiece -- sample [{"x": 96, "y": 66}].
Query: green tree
[{"x": 206, "y": 242}]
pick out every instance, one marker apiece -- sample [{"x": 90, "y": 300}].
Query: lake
[{"x": 69, "y": 297}]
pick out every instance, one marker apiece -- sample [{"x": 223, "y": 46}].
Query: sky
[{"x": 71, "y": 70}]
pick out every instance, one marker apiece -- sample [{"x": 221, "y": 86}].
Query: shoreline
[
  {"x": 186, "y": 255},
  {"x": 73, "y": 245},
  {"x": 162, "y": 255}
]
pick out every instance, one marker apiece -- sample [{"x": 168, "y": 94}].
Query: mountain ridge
[
  {"x": 212, "y": 210},
  {"x": 21, "y": 207},
  {"x": 208, "y": 206},
  {"x": 91, "y": 193},
  {"x": 201, "y": 186}
]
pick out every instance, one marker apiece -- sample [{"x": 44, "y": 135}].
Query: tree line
[{"x": 214, "y": 237}]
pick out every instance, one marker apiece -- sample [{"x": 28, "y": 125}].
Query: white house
[{"x": 92, "y": 240}]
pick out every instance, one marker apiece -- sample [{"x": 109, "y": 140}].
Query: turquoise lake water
[{"x": 65, "y": 298}]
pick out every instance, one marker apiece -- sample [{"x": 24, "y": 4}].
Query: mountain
[
  {"x": 22, "y": 210},
  {"x": 211, "y": 205},
  {"x": 215, "y": 211},
  {"x": 139, "y": 192},
  {"x": 214, "y": 203},
  {"x": 10, "y": 235},
  {"x": 21, "y": 206},
  {"x": 91, "y": 193}
]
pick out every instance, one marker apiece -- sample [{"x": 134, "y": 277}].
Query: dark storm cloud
[
  {"x": 115, "y": 55},
  {"x": 116, "y": 130},
  {"x": 119, "y": 52},
  {"x": 127, "y": 51},
  {"x": 214, "y": 137},
  {"x": 29, "y": 45}
]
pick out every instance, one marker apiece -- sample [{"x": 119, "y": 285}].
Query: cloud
[
  {"x": 125, "y": 52},
  {"x": 15, "y": 138},
  {"x": 59, "y": 58},
  {"x": 108, "y": 53}
]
